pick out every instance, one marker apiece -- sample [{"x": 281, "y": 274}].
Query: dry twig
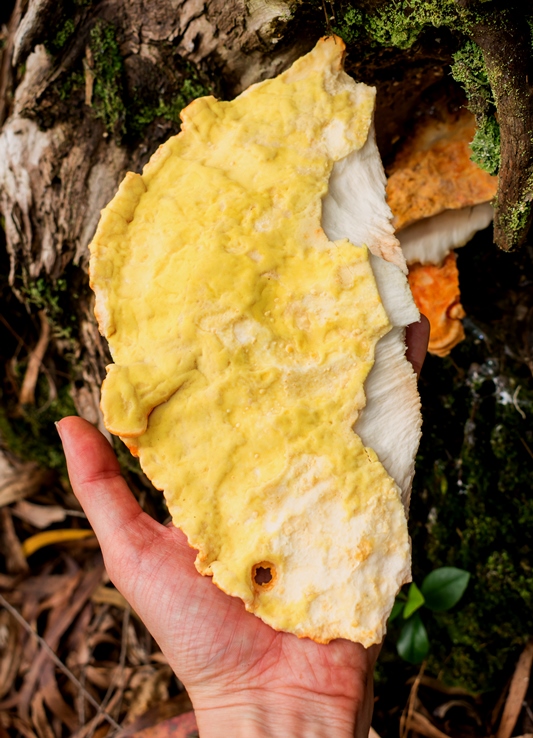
[
  {"x": 27, "y": 392},
  {"x": 406, "y": 716},
  {"x": 517, "y": 692}
]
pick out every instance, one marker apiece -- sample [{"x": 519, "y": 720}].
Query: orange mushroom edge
[{"x": 436, "y": 292}]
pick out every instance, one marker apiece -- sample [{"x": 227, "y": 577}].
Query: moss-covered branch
[{"x": 504, "y": 37}]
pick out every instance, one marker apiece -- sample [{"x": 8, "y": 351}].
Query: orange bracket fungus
[{"x": 440, "y": 198}]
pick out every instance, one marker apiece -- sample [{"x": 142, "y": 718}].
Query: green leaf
[
  {"x": 415, "y": 599},
  {"x": 413, "y": 643},
  {"x": 444, "y": 587},
  {"x": 396, "y": 610}
]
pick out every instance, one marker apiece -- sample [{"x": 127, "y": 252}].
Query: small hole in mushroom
[{"x": 264, "y": 575}]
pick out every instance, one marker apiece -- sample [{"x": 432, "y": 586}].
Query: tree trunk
[{"x": 90, "y": 88}]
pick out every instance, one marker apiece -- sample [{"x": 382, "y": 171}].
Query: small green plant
[{"x": 440, "y": 591}]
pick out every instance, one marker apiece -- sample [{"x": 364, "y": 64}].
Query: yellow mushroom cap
[{"x": 244, "y": 333}]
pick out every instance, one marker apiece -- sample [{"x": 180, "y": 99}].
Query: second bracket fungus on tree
[
  {"x": 255, "y": 298},
  {"x": 440, "y": 198}
]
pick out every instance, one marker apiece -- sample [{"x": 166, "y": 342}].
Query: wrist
[{"x": 267, "y": 714}]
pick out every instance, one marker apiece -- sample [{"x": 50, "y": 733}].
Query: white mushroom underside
[
  {"x": 390, "y": 422},
  {"x": 429, "y": 241}
]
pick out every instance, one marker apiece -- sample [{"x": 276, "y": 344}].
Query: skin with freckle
[{"x": 242, "y": 338}]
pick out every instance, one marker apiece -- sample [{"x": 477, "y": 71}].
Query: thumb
[
  {"x": 131, "y": 540},
  {"x": 96, "y": 480}
]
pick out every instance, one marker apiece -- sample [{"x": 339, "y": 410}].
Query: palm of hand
[
  {"x": 211, "y": 642},
  {"x": 209, "y": 637}
]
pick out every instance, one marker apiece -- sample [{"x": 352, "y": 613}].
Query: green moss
[
  {"x": 123, "y": 116},
  {"x": 392, "y": 27},
  {"x": 486, "y": 145},
  {"x": 142, "y": 114},
  {"x": 516, "y": 219},
  {"x": 33, "y": 436},
  {"x": 108, "y": 70},
  {"x": 64, "y": 34},
  {"x": 53, "y": 298},
  {"x": 45, "y": 295},
  {"x": 397, "y": 23},
  {"x": 74, "y": 82},
  {"x": 469, "y": 70},
  {"x": 351, "y": 26}
]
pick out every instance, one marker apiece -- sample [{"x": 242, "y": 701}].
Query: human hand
[{"x": 242, "y": 676}]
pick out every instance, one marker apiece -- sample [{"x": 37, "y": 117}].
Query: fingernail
[{"x": 58, "y": 428}]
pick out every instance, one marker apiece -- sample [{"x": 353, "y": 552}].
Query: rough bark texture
[
  {"x": 505, "y": 39},
  {"x": 63, "y": 152}
]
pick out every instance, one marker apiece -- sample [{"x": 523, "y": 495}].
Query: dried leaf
[
  {"x": 10, "y": 652},
  {"x": 104, "y": 676},
  {"x": 78, "y": 652},
  {"x": 22, "y": 483},
  {"x": 54, "y": 700},
  {"x": 22, "y": 727},
  {"x": 90, "y": 727},
  {"x": 411, "y": 702},
  {"x": 517, "y": 692},
  {"x": 7, "y": 582},
  {"x": 442, "y": 710},
  {"x": 39, "y": 540},
  {"x": 12, "y": 549},
  {"x": 55, "y": 630},
  {"x": 438, "y": 686},
  {"x": 111, "y": 596},
  {"x": 40, "y": 718},
  {"x": 137, "y": 651},
  {"x": 47, "y": 585},
  {"x": 150, "y": 686},
  {"x": 40, "y": 516},
  {"x": 183, "y": 726},
  {"x": 159, "y": 713},
  {"x": 422, "y": 725}
]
